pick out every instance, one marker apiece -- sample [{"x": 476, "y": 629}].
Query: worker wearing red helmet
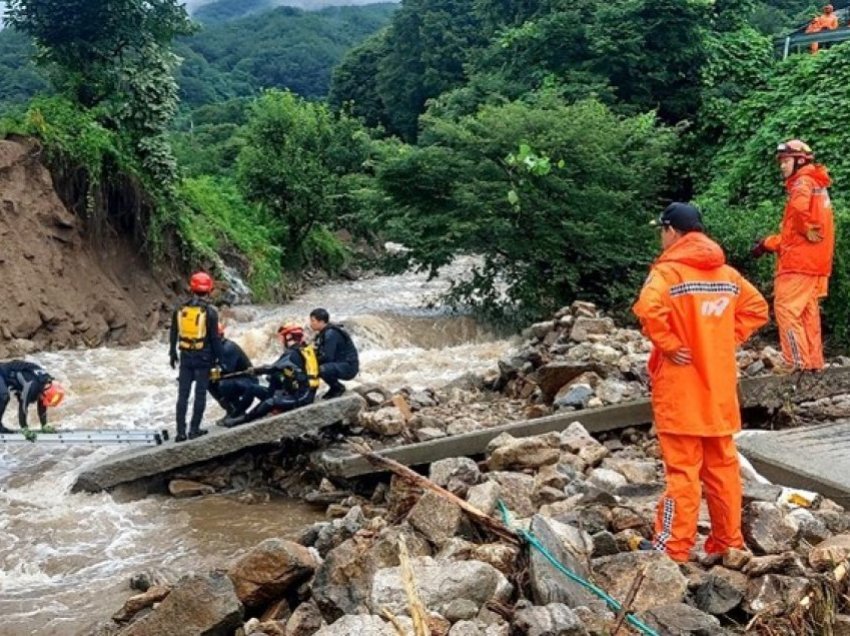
[
  {"x": 804, "y": 249},
  {"x": 195, "y": 334},
  {"x": 293, "y": 378},
  {"x": 31, "y": 384}
]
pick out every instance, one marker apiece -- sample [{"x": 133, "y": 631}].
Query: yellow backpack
[
  {"x": 311, "y": 365},
  {"x": 192, "y": 327}
]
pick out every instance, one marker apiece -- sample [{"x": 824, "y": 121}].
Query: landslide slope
[{"x": 57, "y": 289}]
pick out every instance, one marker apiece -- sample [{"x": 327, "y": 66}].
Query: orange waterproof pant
[
  {"x": 693, "y": 463},
  {"x": 796, "y": 304}
]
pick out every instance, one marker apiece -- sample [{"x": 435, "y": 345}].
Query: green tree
[
  {"x": 651, "y": 51},
  {"x": 296, "y": 162},
  {"x": 742, "y": 191},
  {"x": 428, "y": 43},
  {"x": 88, "y": 43},
  {"x": 354, "y": 85},
  {"x": 540, "y": 193}
]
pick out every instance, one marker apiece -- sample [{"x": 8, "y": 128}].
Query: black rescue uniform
[
  {"x": 194, "y": 333},
  {"x": 293, "y": 380},
  {"x": 27, "y": 381},
  {"x": 235, "y": 395},
  {"x": 338, "y": 358}
]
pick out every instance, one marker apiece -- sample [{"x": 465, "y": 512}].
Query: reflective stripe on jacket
[
  {"x": 693, "y": 300},
  {"x": 806, "y": 240}
]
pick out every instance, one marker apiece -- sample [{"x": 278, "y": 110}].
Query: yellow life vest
[
  {"x": 311, "y": 365},
  {"x": 192, "y": 327}
]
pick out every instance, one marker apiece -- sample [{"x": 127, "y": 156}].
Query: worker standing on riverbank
[
  {"x": 804, "y": 247},
  {"x": 194, "y": 333},
  {"x": 696, "y": 310}
]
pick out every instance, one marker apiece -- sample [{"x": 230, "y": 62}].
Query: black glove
[
  {"x": 759, "y": 249},
  {"x": 174, "y": 360}
]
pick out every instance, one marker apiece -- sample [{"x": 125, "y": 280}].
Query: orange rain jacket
[
  {"x": 823, "y": 22},
  {"x": 808, "y": 214},
  {"x": 693, "y": 299}
]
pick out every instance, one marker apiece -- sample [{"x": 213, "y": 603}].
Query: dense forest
[
  {"x": 234, "y": 52},
  {"x": 542, "y": 136}
]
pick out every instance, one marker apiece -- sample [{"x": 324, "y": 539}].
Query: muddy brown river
[{"x": 66, "y": 559}]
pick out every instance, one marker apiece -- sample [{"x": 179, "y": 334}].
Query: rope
[{"x": 610, "y": 601}]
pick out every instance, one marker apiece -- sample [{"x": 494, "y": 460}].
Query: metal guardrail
[
  {"x": 800, "y": 40},
  {"x": 96, "y": 437}
]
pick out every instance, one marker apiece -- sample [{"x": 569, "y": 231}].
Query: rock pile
[
  {"x": 586, "y": 500},
  {"x": 582, "y": 359}
]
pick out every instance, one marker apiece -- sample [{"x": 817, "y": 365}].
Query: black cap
[{"x": 682, "y": 217}]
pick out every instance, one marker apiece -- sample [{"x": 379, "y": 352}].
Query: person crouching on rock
[
  {"x": 194, "y": 332},
  {"x": 234, "y": 394},
  {"x": 293, "y": 378},
  {"x": 338, "y": 358},
  {"x": 30, "y": 383}
]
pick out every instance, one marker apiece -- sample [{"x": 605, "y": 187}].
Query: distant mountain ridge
[{"x": 224, "y": 10}]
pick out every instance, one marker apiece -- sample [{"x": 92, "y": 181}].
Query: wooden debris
[
  {"x": 417, "y": 610},
  {"x": 411, "y": 476}
]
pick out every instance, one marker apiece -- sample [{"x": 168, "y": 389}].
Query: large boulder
[
  {"x": 571, "y": 547},
  {"x": 387, "y": 421},
  {"x": 774, "y": 594},
  {"x": 270, "y": 570},
  {"x": 198, "y": 604},
  {"x": 359, "y": 624},
  {"x": 343, "y": 582},
  {"x": 663, "y": 583},
  {"x": 306, "y": 620},
  {"x": 718, "y": 595},
  {"x": 517, "y": 491},
  {"x": 585, "y": 327},
  {"x": 455, "y": 469},
  {"x": 555, "y": 619},
  {"x": 439, "y": 584},
  {"x": 527, "y": 452},
  {"x": 436, "y": 518},
  {"x": 829, "y": 553},
  {"x": 679, "y": 619},
  {"x": 577, "y": 440},
  {"x": 768, "y": 530},
  {"x": 554, "y": 375}
]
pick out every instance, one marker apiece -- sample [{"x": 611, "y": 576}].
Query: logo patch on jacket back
[{"x": 715, "y": 307}]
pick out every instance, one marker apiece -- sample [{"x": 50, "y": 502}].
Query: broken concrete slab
[
  {"x": 149, "y": 462},
  {"x": 813, "y": 458}
]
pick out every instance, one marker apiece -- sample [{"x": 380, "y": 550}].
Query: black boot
[
  {"x": 198, "y": 433},
  {"x": 334, "y": 392},
  {"x": 181, "y": 437}
]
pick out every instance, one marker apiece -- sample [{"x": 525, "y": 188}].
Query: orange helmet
[
  {"x": 290, "y": 330},
  {"x": 201, "y": 283},
  {"x": 795, "y": 148},
  {"x": 53, "y": 394}
]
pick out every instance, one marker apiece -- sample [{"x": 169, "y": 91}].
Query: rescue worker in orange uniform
[
  {"x": 696, "y": 310},
  {"x": 827, "y": 21},
  {"x": 804, "y": 247}
]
